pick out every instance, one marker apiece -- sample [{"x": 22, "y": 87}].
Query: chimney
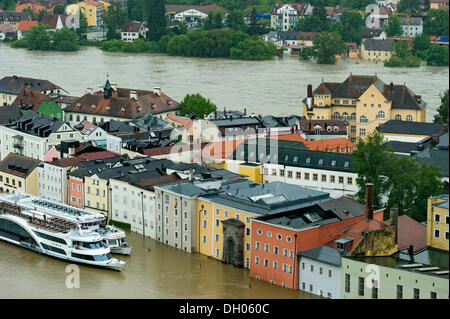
[
  {"x": 245, "y": 112},
  {"x": 215, "y": 115},
  {"x": 435, "y": 139},
  {"x": 391, "y": 87},
  {"x": 231, "y": 117},
  {"x": 133, "y": 95},
  {"x": 439, "y": 119},
  {"x": 309, "y": 98},
  {"x": 369, "y": 201},
  {"x": 191, "y": 175},
  {"x": 394, "y": 221}
]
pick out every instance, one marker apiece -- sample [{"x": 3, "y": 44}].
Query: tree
[
  {"x": 235, "y": 20},
  {"x": 306, "y": 53},
  {"x": 209, "y": 21},
  {"x": 179, "y": 45},
  {"x": 65, "y": 40},
  {"x": 321, "y": 13},
  {"x": 39, "y": 38},
  {"x": 369, "y": 160},
  {"x": 113, "y": 19},
  {"x": 443, "y": 108},
  {"x": 218, "y": 19},
  {"x": 310, "y": 24},
  {"x": 437, "y": 55},
  {"x": 197, "y": 105},
  {"x": 59, "y": 9},
  {"x": 436, "y": 22},
  {"x": 393, "y": 26},
  {"x": 137, "y": 10},
  {"x": 326, "y": 46},
  {"x": 253, "y": 28},
  {"x": 410, "y": 6},
  {"x": 352, "y": 25},
  {"x": 251, "y": 49},
  {"x": 156, "y": 18},
  {"x": 82, "y": 29},
  {"x": 405, "y": 182},
  {"x": 421, "y": 43}
]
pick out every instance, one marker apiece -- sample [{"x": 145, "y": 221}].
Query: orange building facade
[
  {"x": 75, "y": 191},
  {"x": 275, "y": 247}
]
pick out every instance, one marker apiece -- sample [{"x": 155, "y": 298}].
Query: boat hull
[{"x": 121, "y": 250}]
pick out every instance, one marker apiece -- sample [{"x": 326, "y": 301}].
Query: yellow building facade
[
  {"x": 438, "y": 222},
  {"x": 19, "y": 175},
  {"x": 364, "y": 102},
  {"x": 93, "y": 11},
  {"x": 96, "y": 195},
  {"x": 211, "y": 229}
]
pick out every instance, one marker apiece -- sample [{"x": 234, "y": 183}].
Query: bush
[
  {"x": 22, "y": 43},
  {"x": 408, "y": 61},
  {"x": 250, "y": 49}
]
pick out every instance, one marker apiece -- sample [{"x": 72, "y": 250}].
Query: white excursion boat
[{"x": 58, "y": 230}]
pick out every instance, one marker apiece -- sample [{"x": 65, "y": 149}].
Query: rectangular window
[
  {"x": 433, "y": 295},
  {"x": 341, "y": 180},
  {"x": 289, "y": 174},
  {"x": 275, "y": 265},
  {"x": 307, "y": 176},
  {"x": 266, "y": 247},
  {"x": 275, "y": 250},
  {"x": 324, "y": 178},
  {"x": 320, "y": 270},
  {"x": 266, "y": 263},
  {"x": 416, "y": 293},
  {"x": 360, "y": 286},
  {"x": 347, "y": 282},
  {"x": 204, "y": 239},
  {"x": 298, "y": 175},
  {"x": 375, "y": 290},
  {"x": 436, "y": 233},
  {"x": 330, "y": 273},
  {"x": 217, "y": 223},
  {"x": 274, "y": 172},
  {"x": 204, "y": 223},
  {"x": 399, "y": 292},
  {"x": 332, "y": 179},
  {"x": 437, "y": 218},
  {"x": 217, "y": 238},
  {"x": 257, "y": 245},
  {"x": 281, "y": 172},
  {"x": 315, "y": 177},
  {"x": 257, "y": 260}
]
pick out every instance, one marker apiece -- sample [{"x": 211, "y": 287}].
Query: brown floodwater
[{"x": 162, "y": 272}]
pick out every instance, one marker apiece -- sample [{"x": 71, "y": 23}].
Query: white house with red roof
[
  {"x": 92, "y": 132},
  {"x": 24, "y": 28},
  {"x": 284, "y": 16}
]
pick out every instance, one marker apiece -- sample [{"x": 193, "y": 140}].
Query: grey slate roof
[
  {"x": 9, "y": 113},
  {"x": 410, "y": 128},
  {"x": 443, "y": 142},
  {"x": 235, "y": 122},
  {"x": 16, "y": 84},
  {"x": 370, "y": 33},
  {"x": 407, "y": 147},
  {"x": 435, "y": 157},
  {"x": 292, "y": 154},
  {"x": 377, "y": 45},
  {"x": 324, "y": 254},
  {"x": 36, "y": 124}
]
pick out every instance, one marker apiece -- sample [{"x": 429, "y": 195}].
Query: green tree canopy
[
  {"x": 59, "y": 9},
  {"x": 410, "y": 6},
  {"x": 398, "y": 181},
  {"x": 393, "y": 27},
  {"x": 251, "y": 49},
  {"x": 235, "y": 20},
  {"x": 156, "y": 19},
  {"x": 197, "y": 105},
  {"x": 310, "y": 24},
  {"x": 443, "y": 108},
  {"x": 113, "y": 19},
  {"x": 437, "y": 55},
  {"x": 421, "y": 42},
  {"x": 326, "y": 46},
  {"x": 436, "y": 22}
]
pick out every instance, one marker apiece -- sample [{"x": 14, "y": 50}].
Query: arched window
[
  {"x": 353, "y": 117},
  {"x": 336, "y": 116},
  {"x": 345, "y": 116},
  {"x": 380, "y": 115},
  {"x": 398, "y": 117},
  {"x": 362, "y": 119},
  {"x": 409, "y": 118}
]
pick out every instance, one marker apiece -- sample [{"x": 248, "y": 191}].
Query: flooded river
[{"x": 263, "y": 87}]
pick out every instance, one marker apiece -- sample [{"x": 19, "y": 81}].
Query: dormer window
[
  {"x": 170, "y": 102},
  {"x": 308, "y": 160},
  {"x": 122, "y": 110},
  {"x": 320, "y": 161},
  {"x": 108, "y": 108},
  {"x": 333, "y": 163},
  {"x": 346, "y": 164},
  {"x": 93, "y": 106}
]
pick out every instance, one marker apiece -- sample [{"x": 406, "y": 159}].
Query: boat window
[
  {"x": 112, "y": 242},
  {"x": 93, "y": 245}
]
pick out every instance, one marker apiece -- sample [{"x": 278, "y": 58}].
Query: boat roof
[{"x": 66, "y": 212}]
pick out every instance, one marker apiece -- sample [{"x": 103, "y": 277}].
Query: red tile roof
[
  {"x": 97, "y": 155},
  {"x": 410, "y": 232},
  {"x": 67, "y": 162},
  {"x": 26, "y": 25},
  {"x": 27, "y": 97},
  {"x": 185, "y": 122}
]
